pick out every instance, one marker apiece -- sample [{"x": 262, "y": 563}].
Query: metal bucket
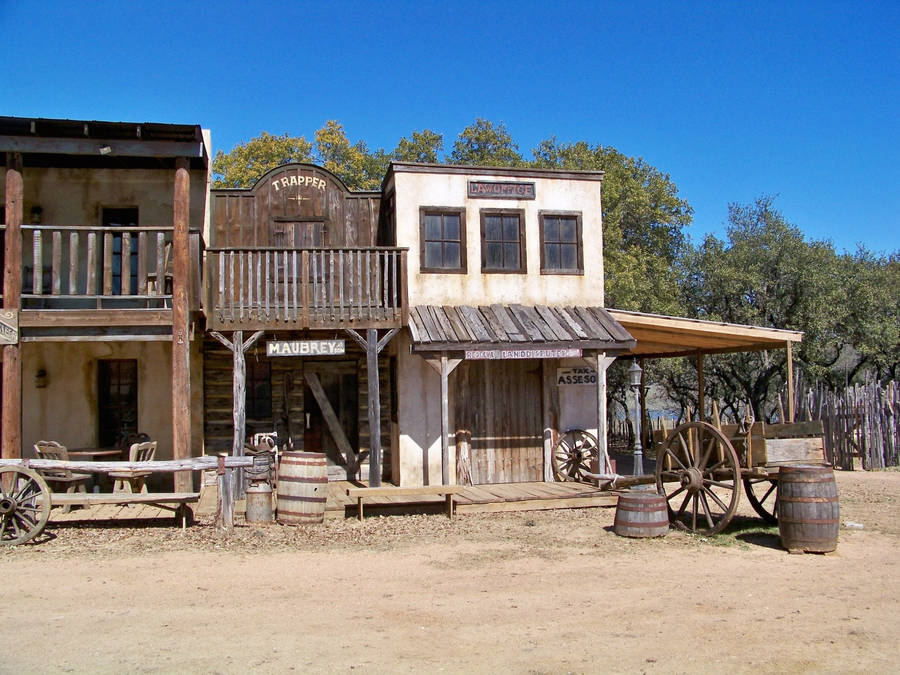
[
  {"x": 302, "y": 488},
  {"x": 259, "y": 503},
  {"x": 808, "y": 510},
  {"x": 641, "y": 514}
]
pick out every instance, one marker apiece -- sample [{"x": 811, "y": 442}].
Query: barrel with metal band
[{"x": 302, "y": 488}]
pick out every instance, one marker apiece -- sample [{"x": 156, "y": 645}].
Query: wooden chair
[
  {"x": 56, "y": 478},
  {"x": 134, "y": 480}
]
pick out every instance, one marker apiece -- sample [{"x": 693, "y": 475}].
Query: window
[
  {"x": 561, "y": 244},
  {"x": 117, "y": 400},
  {"x": 442, "y": 233},
  {"x": 502, "y": 241},
  {"x": 258, "y": 394}
]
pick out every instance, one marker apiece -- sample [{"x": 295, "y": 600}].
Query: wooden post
[
  {"x": 373, "y": 346},
  {"x": 603, "y": 362},
  {"x": 445, "y": 421},
  {"x": 790, "y": 381},
  {"x": 701, "y": 402},
  {"x": 225, "y": 500},
  {"x": 238, "y": 347},
  {"x": 11, "y": 418},
  {"x": 181, "y": 368}
]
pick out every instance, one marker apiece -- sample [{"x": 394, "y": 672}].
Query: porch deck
[{"x": 473, "y": 499}]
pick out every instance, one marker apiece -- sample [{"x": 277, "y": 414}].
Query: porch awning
[
  {"x": 545, "y": 331},
  {"x": 664, "y": 336}
]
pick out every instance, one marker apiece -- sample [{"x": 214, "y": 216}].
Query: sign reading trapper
[{"x": 305, "y": 348}]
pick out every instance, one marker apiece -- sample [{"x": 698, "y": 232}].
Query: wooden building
[{"x": 444, "y": 328}]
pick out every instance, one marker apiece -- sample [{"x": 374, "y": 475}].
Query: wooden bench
[
  {"x": 360, "y": 493},
  {"x": 171, "y": 501}
]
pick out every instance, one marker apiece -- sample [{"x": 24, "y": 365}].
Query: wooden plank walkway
[{"x": 473, "y": 499}]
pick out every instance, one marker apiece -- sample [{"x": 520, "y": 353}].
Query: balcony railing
[
  {"x": 84, "y": 267},
  {"x": 259, "y": 288}
]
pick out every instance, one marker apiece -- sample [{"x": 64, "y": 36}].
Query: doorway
[{"x": 340, "y": 386}]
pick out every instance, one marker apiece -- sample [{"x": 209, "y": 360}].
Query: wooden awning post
[
  {"x": 701, "y": 399},
  {"x": 181, "y": 343},
  {"x": 602, "y": 364},
  {"x": 444, "y": 366},
  {"x": 373, "y": 346},
  {"x": 11, "y": 442},
  {"x": 790, "y": 380},
  {"x": 237, "y": 346}
]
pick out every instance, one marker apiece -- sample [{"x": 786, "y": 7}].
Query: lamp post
[{"x": 634, "y": 381}]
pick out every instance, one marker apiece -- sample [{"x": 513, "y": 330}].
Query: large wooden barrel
[
  {"x": 302, "y": 488},
  {"x": 808, "y": 512},
  {"x": 641, "y": 514}
]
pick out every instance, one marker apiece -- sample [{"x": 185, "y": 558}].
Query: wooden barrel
[
  {"x": 641, "y": 514},
  {"x": 808, "y": 512},
  {"x": 302, "y": 488}
]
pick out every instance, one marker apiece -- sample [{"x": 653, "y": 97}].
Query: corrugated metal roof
[{"x": 501, "y": 326}]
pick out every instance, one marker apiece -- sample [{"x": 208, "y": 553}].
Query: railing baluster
[
  {"x": 142, "y": 263},
  {"x": 396, "y": 301},
  {"x": 124, "y": 264},
  {"x": 368, "y": 284},
  {"x": 341, "y": 282},
  {"x": 56, "y": 264},
  {"x": 233, "y": 284},
  {"x": 296, "y": 281},
  {"x": 107, "y": 263},
  {"x": 359, "y": 291},
  {"x": 37, "y": 262},
  {"x": 160, "y": 286},
  {"x": 286, "y": 301},
  {"x": 73, "y": 263},
  {"x": 220, "y": 302},
  {"x": 91, "y": 283}
]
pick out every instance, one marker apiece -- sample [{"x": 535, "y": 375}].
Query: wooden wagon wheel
[
  {"x": 763, "y": 497},
  {"x": 24, "y": 504},
  {"x": 697, "y": 471},
  {"x": 572, "y": 455}
]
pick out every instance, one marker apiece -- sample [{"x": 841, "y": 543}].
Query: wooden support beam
[
  {"x": 701, "y": 399},
  {"x": 444, "y": 366},
  {"x": 11, "y": 416},
  {"x": 602, "y": 364},
  {"x": 790, "y": 381},
  {"x": 181, "y": 343}
]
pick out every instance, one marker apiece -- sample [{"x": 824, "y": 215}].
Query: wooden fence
[{"x": 861, "y": 421}]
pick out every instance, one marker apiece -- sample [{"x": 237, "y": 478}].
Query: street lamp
[{"x": 634, "y": 381}]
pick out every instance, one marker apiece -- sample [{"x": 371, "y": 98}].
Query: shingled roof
[{"x": 447, "y": 328}]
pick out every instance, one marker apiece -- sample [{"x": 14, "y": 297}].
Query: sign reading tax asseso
[
  {"x": 488, "y": 189},
  {"x": 305, "y": 348}
]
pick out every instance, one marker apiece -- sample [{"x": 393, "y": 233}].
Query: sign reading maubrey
[
  {"x": 488, "y": 189},
  {"x": 496, "y": 354},
  {"x": 305, "y": 348}
]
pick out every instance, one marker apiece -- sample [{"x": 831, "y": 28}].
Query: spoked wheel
[
  {"x": 24, "y": 504},
  {"x": 697, "y": 471},
  {"x": 572, "y": 455},
  {"x": 762, "y": 494}
]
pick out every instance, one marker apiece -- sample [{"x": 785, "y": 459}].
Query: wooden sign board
[
  {"x": 498, "y": 354},
  {"x": 305, "y": 348},
  {"x": 9, "y": 327},
  {"x": 579, "y": 376},
  {"x": 489, "y": 189}
]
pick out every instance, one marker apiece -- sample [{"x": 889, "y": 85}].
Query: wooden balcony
[
  {"x": 97, "y": 268},
  {"x": 283, "y": 289}
]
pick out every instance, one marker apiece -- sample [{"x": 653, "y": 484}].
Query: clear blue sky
[{"x": 733, "y": 99}]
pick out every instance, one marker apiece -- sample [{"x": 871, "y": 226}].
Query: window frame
[
  {"x": 443, "y": 210},
  {"x": 579, "y": 243},
  {"x": 523, "y": 258}
]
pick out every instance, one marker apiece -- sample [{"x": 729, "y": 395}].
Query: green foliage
[
  {"x": 246, "y": 162},
  {"x": 422, "y": 147},
  {"x": 359, "y": 168},
  {"x": 483, "y": 144}
]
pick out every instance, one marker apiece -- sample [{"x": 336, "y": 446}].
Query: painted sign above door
[{"x": 305, "y": 348}]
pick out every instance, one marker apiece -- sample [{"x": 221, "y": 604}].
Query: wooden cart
[{"x": 701, "y": 468}]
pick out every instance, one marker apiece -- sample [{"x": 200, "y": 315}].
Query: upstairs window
[
  {"x": 503, "y": 241},
  {"x": 443, "y": 240},
  {"x": 561, "y": 250}
]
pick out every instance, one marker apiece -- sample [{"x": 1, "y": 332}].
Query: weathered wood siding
[
  {"x": 285, "y": 206},
  {"x": 499, "y": 404}
]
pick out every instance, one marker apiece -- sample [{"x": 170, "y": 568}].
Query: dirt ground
[{"x": 536, "y": 592}]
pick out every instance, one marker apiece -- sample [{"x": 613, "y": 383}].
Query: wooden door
[
  {"x": 340, "y": 384},
  {"x": 499, "y": 403}
]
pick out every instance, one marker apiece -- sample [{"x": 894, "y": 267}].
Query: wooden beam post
[
  {"x": 181, "y": 343},
  {"x": 11, "y": 417},
  {"x": 790, "y": 381},
  {"x": 701, "y": 401},
  {"x": 374, "y": 408},
  {"x": 603, "y": 362}
]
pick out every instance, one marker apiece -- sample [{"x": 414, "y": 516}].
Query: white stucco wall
[{"x": 414, "y": 190}]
